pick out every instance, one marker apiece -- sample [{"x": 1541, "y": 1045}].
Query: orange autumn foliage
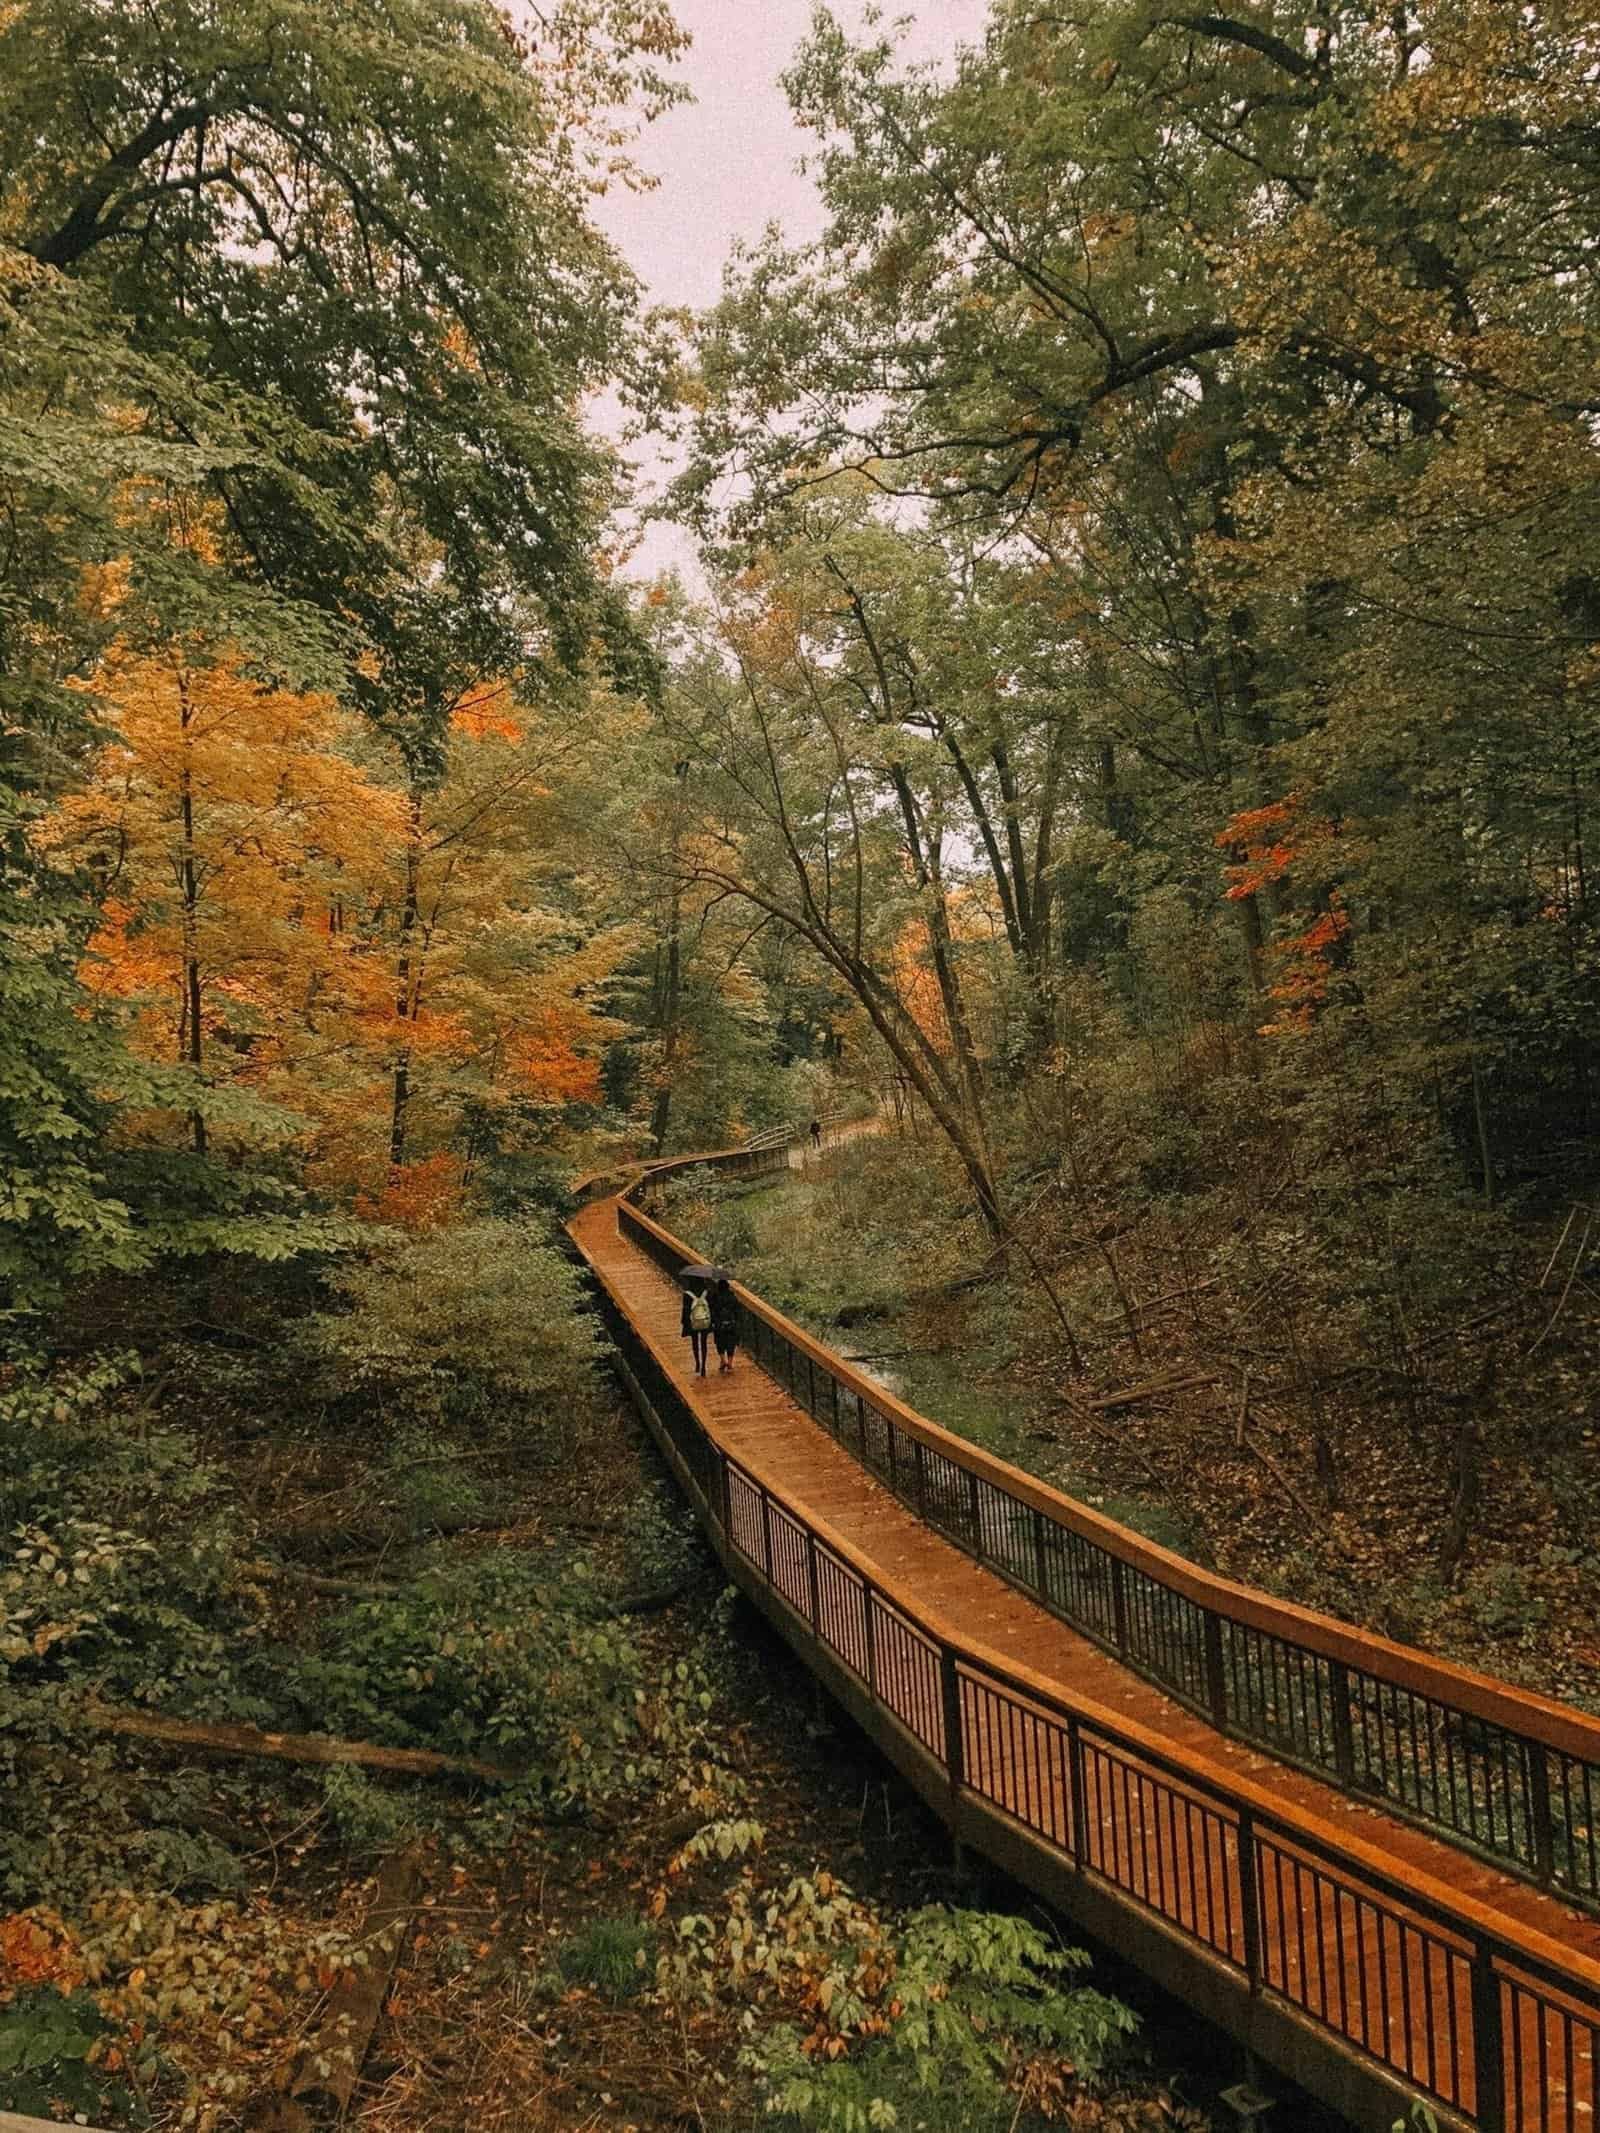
[
  {"x": 488, "y": 715},
  {"x": 37, "y": 1948},
  {"x": 416, "y": 1196},
  {"x": 258, "y": 851},
  {"x": 1271, "y": 841}
]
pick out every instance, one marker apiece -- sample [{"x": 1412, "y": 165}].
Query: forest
[{"x": 1130, "y": 739}]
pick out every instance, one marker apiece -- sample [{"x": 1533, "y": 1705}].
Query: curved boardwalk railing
[{"x": 1495, "y": 2022}]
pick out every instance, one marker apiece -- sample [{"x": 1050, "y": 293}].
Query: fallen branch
[
  {"x": 1579, "y": 1257},
  {"x": 1184, "y": 1295},
  {"x": 357, "y": 1545},
  {"x": 1305, "y": 1509},
  {"x": 1156, "y": 1388},
  {"x": 247, "y": 1742},
  {"x": 326, "y": 2077},
  {"x": 1124, "y": 1444},
  {"x": 335, "y": 1588}
]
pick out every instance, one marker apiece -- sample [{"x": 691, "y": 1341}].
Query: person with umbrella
[
  {"x": 724, "y": 1322},
  {"x": 697, "y": 1316}
]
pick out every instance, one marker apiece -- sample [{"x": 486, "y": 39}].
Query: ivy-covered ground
[{"x": 423, "y": 1523}]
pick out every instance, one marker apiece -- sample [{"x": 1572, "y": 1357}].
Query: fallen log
[
  {"x": 334, "y": 1588},
  {"x": 247, "y": 1742},
  {"x": 1154, "y": 1389},
  {"x": 325, "y": 2079}
]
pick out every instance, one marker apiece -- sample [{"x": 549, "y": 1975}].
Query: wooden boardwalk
[{"x": 1368, "y": 1958}]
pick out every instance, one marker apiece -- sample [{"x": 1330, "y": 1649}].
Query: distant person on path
[
  {"x": 724, "y": 1323},
  {"x": 697, "y": 1327},
  {"x": 816, "y": 1134}
]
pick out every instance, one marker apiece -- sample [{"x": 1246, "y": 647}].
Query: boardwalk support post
[
  {"x": 1216, "y": 1672},
  {"x": 1119, "y": 1603},
  {"x": 950, "y": 1696},
  {"x": 1344, "y": 1735},
  {"x": 1077, "y": 1792},
  {"x": 1249, "y": 1897},
  {"x": 1488, "y": 2051},
  {"x": 1540, "y": 1827}
]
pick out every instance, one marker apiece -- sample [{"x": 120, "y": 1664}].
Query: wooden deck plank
[{"x": 1333, "y": 1956}]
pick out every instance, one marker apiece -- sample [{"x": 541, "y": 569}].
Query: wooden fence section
[{"x": 1369, "y": 1980}]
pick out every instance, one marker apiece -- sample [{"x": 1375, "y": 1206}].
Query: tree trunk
[
  {"x": 191, "y": 1044},
  {"x": 247, "y": 1742},
  {"x": 667, "y": 1022},
  {"x": 407, "y": 984}
]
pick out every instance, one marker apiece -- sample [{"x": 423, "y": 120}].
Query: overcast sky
[{"x": 727, "y": 161}]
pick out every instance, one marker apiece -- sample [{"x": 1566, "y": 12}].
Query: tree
[{"x": 296, "y": 310}]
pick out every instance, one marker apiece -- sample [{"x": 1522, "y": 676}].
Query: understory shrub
[
  {"x": 970, "y": 2015},
  {"x": 483, "y": 1658},
  {"x": 483, "y": 1324}
]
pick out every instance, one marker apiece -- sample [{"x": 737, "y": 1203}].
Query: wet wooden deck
[{"x": 1325, "y": 1951}]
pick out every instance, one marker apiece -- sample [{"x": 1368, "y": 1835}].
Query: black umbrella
[{"x": 695, "y": 1277}]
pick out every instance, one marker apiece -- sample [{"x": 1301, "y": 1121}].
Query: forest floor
[
  {"x": 521, "y": 1997},
  {"x": 1200, "y": 1440}
]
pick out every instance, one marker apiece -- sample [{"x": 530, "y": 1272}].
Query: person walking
[
  {"x": 697, "y": 1327},
  {"x": 816, "y": 1135},
  {"x": 724, "y": 1323}
]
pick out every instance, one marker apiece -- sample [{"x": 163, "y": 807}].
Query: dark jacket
[
  {"x": 724, "y": 1313},
  {"x": 689, "y": 1296}
]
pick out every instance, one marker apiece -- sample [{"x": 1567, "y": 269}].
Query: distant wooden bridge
[{"x": 1379, "y": 1871}]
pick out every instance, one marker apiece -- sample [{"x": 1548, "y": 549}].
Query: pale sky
[{"x": 727, "y": 161}]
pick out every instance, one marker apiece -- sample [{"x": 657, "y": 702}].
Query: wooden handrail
[
  {"x": 1500, "y": 1995},
  {"x": 1476, "y": 1695},
  {"x": 1444, "y": 1904},
  {"x": 1461, "y": 1689}
]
